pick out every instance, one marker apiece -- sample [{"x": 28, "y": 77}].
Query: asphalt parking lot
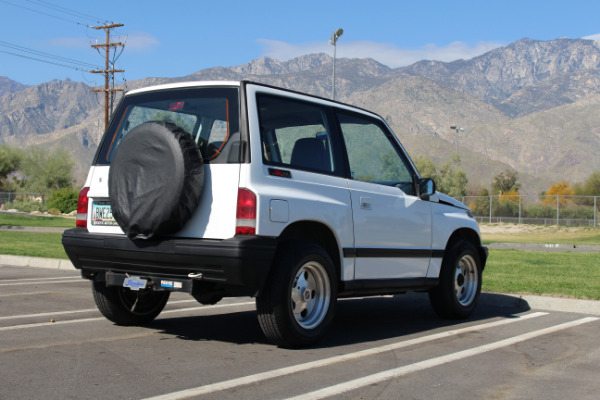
[{"x": 378, "y": 348}]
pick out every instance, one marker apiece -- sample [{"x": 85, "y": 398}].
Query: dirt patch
[{"x": 525, "y": 228}]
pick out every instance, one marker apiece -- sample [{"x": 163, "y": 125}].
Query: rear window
[{"x": 209, "y": 115}]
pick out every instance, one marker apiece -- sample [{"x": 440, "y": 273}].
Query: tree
[
  {"x": 590, "y": 187},
  {"x": 559, "y": 189},
  {"x": 10, "y": 159},
  {"x": 506, "y": 181},
  {"x": 44, "y": 171},
  {"x": 450, "y": 180},
  {"x": 426, "y": 168},
  {"x": 453, "y": 181},
  {"x": 481, "y": 206}
]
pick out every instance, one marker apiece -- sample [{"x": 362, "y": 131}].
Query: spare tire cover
[{"x": 155, "y": 180}]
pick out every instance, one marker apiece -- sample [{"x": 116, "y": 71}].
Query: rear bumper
[{"x": 241, "y": 263}]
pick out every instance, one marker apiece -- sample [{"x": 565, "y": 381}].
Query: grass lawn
[
  {"x": 36, "y": 221},
  {"x": 543, "y": 273},
  {"x": 32, "y": 244}
]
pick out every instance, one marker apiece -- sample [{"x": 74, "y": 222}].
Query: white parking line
[
  {"x": 434, "y": 362},
  {"x": 40, "y": 279},
  {"x": 39, "y": 282},
  {"x": 55, "y": 313},
  {"x": 252, "y": 379},
  {"x": 77, "y": 321},
  {"x": 42, "y": 324}
]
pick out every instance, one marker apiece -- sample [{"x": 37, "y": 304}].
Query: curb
[
  {"x": 544, "y": 303},
  {"x": 36, "y": 262}
]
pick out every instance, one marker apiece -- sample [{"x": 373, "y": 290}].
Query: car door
[{"x": 392, "y": 226}]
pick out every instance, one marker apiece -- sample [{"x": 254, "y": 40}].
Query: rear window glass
[{"x": 209, "y": 115}]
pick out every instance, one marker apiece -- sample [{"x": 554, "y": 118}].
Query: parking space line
[
  {"x": 252, "y": 379},
  {"x": 434, "y": 362},
  {"x": 76, "y": 321},
  {"x": 38, "y": 282},
  {"x": 42, "y": 324},
  {"x": 208, "y": 307},
  {"x": 47, "y": 314},
  {"x": 40, "y": 279},
  {"x": 55, "y": 313}
]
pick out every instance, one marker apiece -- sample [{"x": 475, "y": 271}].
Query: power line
[
  {"x": 41, "y": 12},
  {"x": 56, "y": 8},
  {"x": 109, "y": 69},
  {"x": 45, "y": 61},
  {"x": 45, "y": 55},
  {"x": 68, "y": 11}
]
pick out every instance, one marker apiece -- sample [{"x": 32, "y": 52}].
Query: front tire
[
  {"x": 459, "y": 288},
  {"x": 124, "y": 306},
  {"x": 298, "y": 301}
]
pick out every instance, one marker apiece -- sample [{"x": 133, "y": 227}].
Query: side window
[
  {"x": 372, "y": 156},
  {"x": 295, "y": 134}
]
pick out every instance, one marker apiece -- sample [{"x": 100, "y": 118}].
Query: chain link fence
[
  {"x": 8, "y": 198},
  {"x": 542, "y": 210},
  {"x": 519, "y": 209}
]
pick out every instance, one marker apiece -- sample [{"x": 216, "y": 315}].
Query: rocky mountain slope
[
  {"x": 9, "y": 86},
  {"x": 502, "y": 73},
  {"x": 532, "y": 106}
]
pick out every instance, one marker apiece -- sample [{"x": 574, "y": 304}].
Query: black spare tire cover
[{"x": 155, "y": 180}]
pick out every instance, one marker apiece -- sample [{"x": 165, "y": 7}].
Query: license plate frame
[{"x": 102, "y": 214}]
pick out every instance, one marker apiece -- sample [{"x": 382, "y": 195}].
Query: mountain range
[{"x": 532, "y": 106}]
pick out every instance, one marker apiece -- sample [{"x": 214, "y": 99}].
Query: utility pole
[{"x": 107, "y": 72}]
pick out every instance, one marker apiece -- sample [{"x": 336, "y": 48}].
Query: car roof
[
  {"x": 183, "y": 85},
  {"x": 199, "y": 84}
]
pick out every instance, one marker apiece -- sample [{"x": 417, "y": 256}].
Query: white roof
[{"x": 180, "y": 85}]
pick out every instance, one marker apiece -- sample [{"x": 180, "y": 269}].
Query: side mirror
[{"x": 426, "y": 188}]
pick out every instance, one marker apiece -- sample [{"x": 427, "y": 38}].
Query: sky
[{"x": 179, "y": 37}]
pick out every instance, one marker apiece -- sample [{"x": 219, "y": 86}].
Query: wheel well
[
  {"x": 318, "y": 233},
  {"x": 471, "y": 236}
]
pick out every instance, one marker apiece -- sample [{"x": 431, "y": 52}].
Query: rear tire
[
  {"x": 124, "y": 306},
  {"x": 459, "y": 289},
  {"x": 297, "y": 303}
]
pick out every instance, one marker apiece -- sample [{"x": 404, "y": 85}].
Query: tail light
[
  {"x": 82, "y": 208},
  {"x": 246, "y": 213}
]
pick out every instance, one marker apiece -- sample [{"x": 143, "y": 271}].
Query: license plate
[
  {"x": 135, "y": 283},
  {"x": 102, "y": 214}
]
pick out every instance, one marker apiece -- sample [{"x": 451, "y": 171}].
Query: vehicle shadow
[
  {"x": 371, "y": 319},
  {"x": 357, "y": 320}
]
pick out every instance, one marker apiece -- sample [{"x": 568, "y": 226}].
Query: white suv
[{"x": 242, "y": 189}]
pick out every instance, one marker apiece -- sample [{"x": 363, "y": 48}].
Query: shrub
[
  {"x": 64, "y": 199},
  {"x": 506, "y": 208},
  {"x": 26, "y": 204},
  {"x": 539, "y": 211}
]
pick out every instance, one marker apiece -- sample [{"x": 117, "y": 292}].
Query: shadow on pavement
[{"x": 357, "y": 320}]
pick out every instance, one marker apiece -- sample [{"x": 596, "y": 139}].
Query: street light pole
[
  {"x": 457, "y": 129},
  {"x": 333, "y": 40}
]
